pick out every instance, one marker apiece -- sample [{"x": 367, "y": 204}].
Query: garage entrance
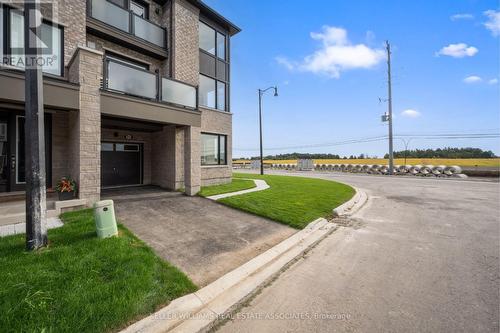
[{"x": 121, "y": 164}]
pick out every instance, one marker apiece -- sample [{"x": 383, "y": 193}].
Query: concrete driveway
[
  {"x": 201, "y": 237},
  {"x": 422, "y": 256}
]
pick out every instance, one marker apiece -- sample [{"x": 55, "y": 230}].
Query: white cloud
[
  {"x": 459, "y": 50},
  {"x": 493, "y": 81},
  {"x": 410, "y": 113},
  {"x": 493, "y": 23},
  {"x": 473, "y": 79},
  {"x": 457, "y": 17},
  {"x": 285, "y": 62},
  {"x": 337, "y": 54}
]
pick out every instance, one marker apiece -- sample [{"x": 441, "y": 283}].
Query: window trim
[
  {"x": 219, "y": 162},
  {"x": 7, "y": 49}
]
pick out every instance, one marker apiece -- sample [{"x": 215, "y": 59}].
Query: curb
[
  {"x": 352, "y": 206},
  {"x": 260, "y": 185},
  {"x": 211, "y": 305}
]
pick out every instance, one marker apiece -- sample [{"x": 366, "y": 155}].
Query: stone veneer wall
[{"x": 85, "y": 68}]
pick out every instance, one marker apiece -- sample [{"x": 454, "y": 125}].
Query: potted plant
[{"x": 66, "y": 188}]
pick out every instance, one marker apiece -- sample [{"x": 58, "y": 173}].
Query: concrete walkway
[
  {"x": 20, "y": 228},
  {"x": 260, "y": 185}
]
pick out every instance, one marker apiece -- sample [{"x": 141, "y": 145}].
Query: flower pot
[{"x": 66, "y": 195}]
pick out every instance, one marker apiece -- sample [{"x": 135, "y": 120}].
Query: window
[
  {"x": 213, "y": 149},
  {"x": 212, "y": 93},
  {"x": 207, "y": 91},
  {"x": 221, "y": 46},
  {"x": 106, "y": 146},
  {"x": 52, "y": 37},
  {"x": 207, "y": 38},
  {"x": 214, "y": 67},
  {"x": 120, "y": 3},
  {"x": 127, "y": 61},
  {"x": 139, "y": 9},
  {"x": 221, "y": 96}
]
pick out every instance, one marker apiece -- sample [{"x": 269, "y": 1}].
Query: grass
[
  {"x": 235, "y": 185},
  {"x": 295, "y": 201},
  {"x": 465, "y": 162},
  {"x": 80, "y": 283}
]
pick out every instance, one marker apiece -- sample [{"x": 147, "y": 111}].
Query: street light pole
[{"x": 261, "y": 93}]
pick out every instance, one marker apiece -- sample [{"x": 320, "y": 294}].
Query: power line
[{"x": 383, "y": 138}]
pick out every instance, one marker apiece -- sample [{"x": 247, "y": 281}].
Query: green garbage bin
[{"x": 105, "y": 221}]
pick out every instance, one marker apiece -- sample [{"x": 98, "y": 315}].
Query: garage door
[{"x": 121, "y": 164}]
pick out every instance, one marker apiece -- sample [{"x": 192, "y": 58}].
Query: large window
[
  {"x": 207, "y": 38},
  {"x": 221, "y": 95},
  {"x": 213, "y": 149},
  {"x": 221, "y": 46},
  {"x": 51, "y": 52},
  {"x": 214, "y": 68},
  {"x": 212, "y": 41},
  {"x": 212, "y": 93},
  {"x": 207, "y": 91}
]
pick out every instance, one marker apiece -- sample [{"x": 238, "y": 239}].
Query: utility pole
[
  {"x": 389, "y": 83},
  {"x": 36, "y": 205}
]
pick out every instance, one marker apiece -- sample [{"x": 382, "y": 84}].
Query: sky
[{"x": 327, "y": 58}]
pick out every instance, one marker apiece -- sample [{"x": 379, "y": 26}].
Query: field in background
[{"x": 464, "y": 162}]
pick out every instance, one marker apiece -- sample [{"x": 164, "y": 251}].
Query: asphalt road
[{"x": 421, "y": 256}]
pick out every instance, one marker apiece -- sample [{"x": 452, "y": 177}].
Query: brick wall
[
  {"x": 60, "y": 147},
  {"x": 185, "y": 35},
  {"x": 105, "y": 45},
  {"x": 217, "y": 122},
  {"x": 163, "y": 158}
]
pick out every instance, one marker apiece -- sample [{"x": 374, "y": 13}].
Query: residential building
[{"x": 137, "y": 93}]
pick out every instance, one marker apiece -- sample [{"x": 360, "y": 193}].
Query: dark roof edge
[{"x": 215, "y": 16}]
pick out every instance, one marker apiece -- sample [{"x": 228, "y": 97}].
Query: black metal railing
[
  {"x": 127, "y": 21},
  {"x": 131, "y": 80}
]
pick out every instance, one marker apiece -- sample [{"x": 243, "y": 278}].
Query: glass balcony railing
[
  {"x": 130, "y": 80},
  {"x": 134, "y": 81},
  {"x": 127, "y": 21},
  {"x": 178, "y": 93}
]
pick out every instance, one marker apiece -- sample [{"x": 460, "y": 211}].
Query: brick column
[
  {"x": 85, "y": 68},
  {"x": 192, "y": 160}
]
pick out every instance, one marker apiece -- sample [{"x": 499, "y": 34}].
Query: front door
[
  {"x": 4, "y": 153},
  {"x": 12, "y": 151},
  {"x": 121, "y": 164}
]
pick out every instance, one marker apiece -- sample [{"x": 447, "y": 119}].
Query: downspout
[{"x": 171, "y": 40}]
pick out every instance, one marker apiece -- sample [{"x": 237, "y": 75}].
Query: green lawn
[
  {"x": 81, "y": 283},
  {"x": 295, "y": 201},
  {"x": 234, "y": 186}
]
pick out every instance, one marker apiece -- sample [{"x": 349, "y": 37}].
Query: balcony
[
  {"x": 136, "y": 82},
  {"x": 123, "y": 26}
]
